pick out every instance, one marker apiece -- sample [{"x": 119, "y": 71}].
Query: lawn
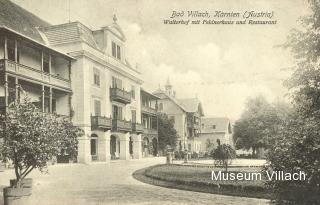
[{"x": 198, "y": 178}]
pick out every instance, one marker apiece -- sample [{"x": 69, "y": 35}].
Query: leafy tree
[
  {"x": 209, "y": 145},
  {"x": 297, "y": 144},
  {"x": 31, "y": 138},
  {"x": 258, "y": 123},
  {"x": 223, "y": 154},
  {"x": 167, "y": 135}
]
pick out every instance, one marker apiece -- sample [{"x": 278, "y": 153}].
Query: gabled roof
[
  {"x": 222, "y": 124},
  {"x": 16, "y": 18},
  {"x": 190, "y": 105}
]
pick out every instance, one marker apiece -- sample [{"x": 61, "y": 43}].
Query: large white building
[
  {"x": 106, "y": 98},
  {"x": 82, "y": 73}
]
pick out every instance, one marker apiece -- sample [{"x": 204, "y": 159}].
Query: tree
[
  {"x": 31, "y": 138},
  {"x": 167, "y": 135},
  {"x": 258, "y": 123},
  {"x": 297, "y": 144},
  {"x": 209, "y": 146},
  {"x": 223, "y": 154}
]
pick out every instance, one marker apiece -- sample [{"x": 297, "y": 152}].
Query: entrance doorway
[
  {"x": 114, "y": 147},
  {"x": 94, "y": 147}
]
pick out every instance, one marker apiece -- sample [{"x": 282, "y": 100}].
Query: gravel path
[{"x": 112, "y": 183}]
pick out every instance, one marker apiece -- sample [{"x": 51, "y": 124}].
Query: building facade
[
  {"x": 74, "y": 71},
  {"x": 149, "y": 119},
  {"x": 213, "y": 129},
  {"x": 106, "y": 99},
  {"x": 186, "y": 115}
]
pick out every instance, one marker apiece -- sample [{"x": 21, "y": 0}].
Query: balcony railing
[
  {"x": 148, "y": 110},
  {"x": 136, "y": 127},
  {"x": 34, "y": 74},
  {"x": 120, "y": 95},
  {"x": 100, "y": 122},
  {"x": 121, "y": 125},
  {"x": 192, "y": 124},
  {"x": 150, "y": 131}
]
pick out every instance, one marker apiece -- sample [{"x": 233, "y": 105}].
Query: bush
[
  {"x": 178, "y": 155},
  {"x": 194, "y": 155}
]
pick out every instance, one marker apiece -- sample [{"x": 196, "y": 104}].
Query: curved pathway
[{"x": 112, "y": 183}]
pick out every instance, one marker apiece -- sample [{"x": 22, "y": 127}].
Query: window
[
  {"x": 96, "y": 77},
  {"x": 116, "y": 112},
  {"x": 97, "y": 108},
  {"x": 160, "y": 106},
  {"x": 133, "y": 116},
  {"x": 116, "y": 51},
  {"x": 116, "y": 83},
  {"x": 45, "y": 64},
  {"x": 133, "y": 93},
  {"x": 202, "y": 125},
  {"x": 213, "y": 126}
]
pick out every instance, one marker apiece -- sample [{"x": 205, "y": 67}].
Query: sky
[{"x": 222, "y": 65}]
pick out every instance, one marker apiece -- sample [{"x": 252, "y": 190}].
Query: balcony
[
  {"x": 150, "y": 131},
  {"x": 120, "y": 95},
  {"x": 148, "y": 110},
  {"x": 34, "y": 74},
  {"x": 136, "y": 127},
  {"x": 99, "y": 122},
  {"x": 121, "y": 125}
]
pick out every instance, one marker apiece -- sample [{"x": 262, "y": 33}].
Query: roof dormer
[{"x": 111, "y": 40}]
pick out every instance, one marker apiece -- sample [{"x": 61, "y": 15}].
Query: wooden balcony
[
  {"x": 121, "y": 125},
  {"x": 148, "y": 110},
  {"x": 120, "y": 95},
  {"x": 34, "y": 74},
  {"x": 150, "y": 131},
  {"x": 191, "y": 124},
  {"x": 100, "y": 122},
  {"x": 136, "y": 127}
]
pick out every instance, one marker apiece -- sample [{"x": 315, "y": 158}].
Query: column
[
  {"x": 41, "y": 60},
  {"x": 5, "y": 47},
  {"x": 124, "y": 146},
  {"x": 49, "y": 63},
  {"x": 16, "y": 89},
  {"x": 84, "y": 147},
  {"x": 50, "y": 99},
  {"x": 6, "y": 90},
  {"x": 15, "y": 51},
  {"x": 136, "y": 146},
  {"x": 104, "y": 146},
  {"x": 42, "y": 97}
]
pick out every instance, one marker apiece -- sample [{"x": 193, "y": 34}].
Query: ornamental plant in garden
[
  {"x": 31, "y": 138},
  {"x": 223, "y": 155}
]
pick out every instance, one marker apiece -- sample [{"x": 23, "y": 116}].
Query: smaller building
[
  {"x": 149, "y": 120},
  {"x": 213, "y": 129},
  {"x": 186, "y": 115}
]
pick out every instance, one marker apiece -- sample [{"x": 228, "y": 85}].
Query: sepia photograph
[{"x": 160, "y": 102}]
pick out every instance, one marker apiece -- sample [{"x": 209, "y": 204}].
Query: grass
[
  {"x": 199, "y": 179},
  {"x": 199, "y": 174}
]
